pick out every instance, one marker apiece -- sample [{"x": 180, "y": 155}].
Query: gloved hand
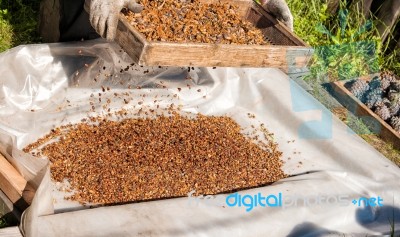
[
  {"x": 280, "y": 10},
  {"x": 104, "y": 14}
]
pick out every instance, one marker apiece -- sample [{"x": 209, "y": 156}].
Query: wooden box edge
[{"x": 387, "y": 133}]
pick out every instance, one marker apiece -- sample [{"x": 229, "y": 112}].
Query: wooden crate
[
  {"x": 347, "y": 99},
  {"x": 14, "y": 186},
  {"x": 287, "y": 52}
]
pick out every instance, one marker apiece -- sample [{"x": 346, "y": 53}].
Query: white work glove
[
  {"x": 104, "y": 15},
  {"x": 280, "y": 10}
]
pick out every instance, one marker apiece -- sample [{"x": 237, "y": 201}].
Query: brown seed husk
[
  {"x": 193, "y": 21},
  {"x": 151, "y": 158}
]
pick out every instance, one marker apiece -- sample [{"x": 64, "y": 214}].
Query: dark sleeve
[{"x": 74, "y": 22}]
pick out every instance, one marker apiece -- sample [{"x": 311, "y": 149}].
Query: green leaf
[
  {"x": 366, "y": 27},
  {"x": 322, "y": 29},
  {"x": 343, "y": 14},
  {"x": 335, "y": 39}
]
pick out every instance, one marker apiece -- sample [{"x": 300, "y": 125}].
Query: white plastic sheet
[{"x": 47, "y": 85}]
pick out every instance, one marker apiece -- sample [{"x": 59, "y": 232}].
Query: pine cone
[
  {"x": 395, "y": 86},
  {"x": 385, "y": 82},
  {"x": 373, "y": 97},
  {"x": 389, "y": 76},
  {"x": 375, "y": 83},
  {"x": 386, "y": 101},
  {"x": 358, "y": 89},
  {"x": 386, "y": 79},
  {"x": 395, "y": 123},
  {"x": 383, "y": 102},
  {"x": 383, "y": 112},
  {"x": 394, "y": 97},
  {"x": 394, "y": 109}
]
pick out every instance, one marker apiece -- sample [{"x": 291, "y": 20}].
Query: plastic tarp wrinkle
[{"x": 332, "y": 171}]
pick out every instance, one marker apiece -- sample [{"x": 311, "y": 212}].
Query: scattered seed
[
  {"x": 111, "y": 162},
  {"x": 193, "y": 21}
]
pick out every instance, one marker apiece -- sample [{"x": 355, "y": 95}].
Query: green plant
[
  {"x": 18, "y": 23},
  {"x": 390, "y": 59},
  {"x": 307, "y": 14},
  {"x": 349, "y": 52},
  {"x": 344, "y": 48},
  {"x": 5, "y": 30},
  {"x": 3, "y": 223}
]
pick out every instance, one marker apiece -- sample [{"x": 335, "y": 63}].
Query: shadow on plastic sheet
[
  {"x": 308, "y": 229},
  {"x": 374, "y": 218},
  {"x": 385, "y": 219},
  {"x": 96, "y": 63}
]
